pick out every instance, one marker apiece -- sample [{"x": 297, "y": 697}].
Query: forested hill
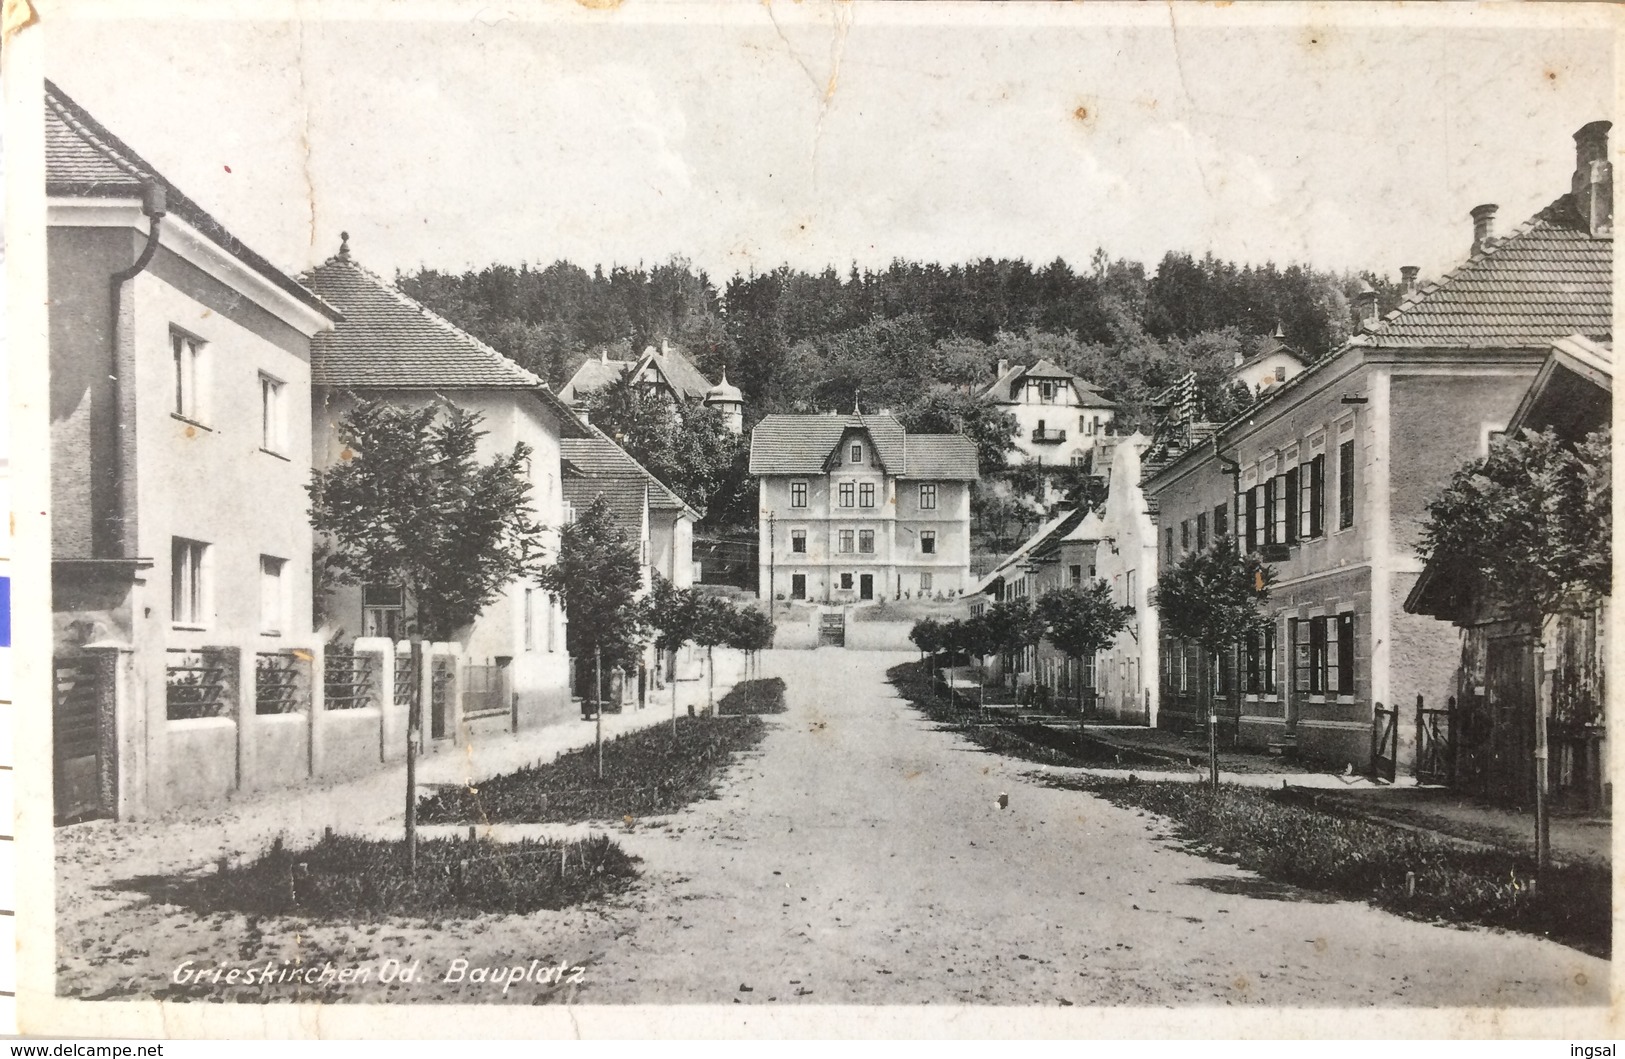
[{"x": 796, "y": 340}]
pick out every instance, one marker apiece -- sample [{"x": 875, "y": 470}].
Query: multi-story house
[
  {"x": 852, "y": 508},
  {"x": 1059, "y": 415},
  {"x": 180, "y": 450},
  {"x": 391, "y": 348},
  {"x": 1125, "y": 674},
  {"x": 1330, "y": 476}
]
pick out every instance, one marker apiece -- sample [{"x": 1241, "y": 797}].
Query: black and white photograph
[{"x": 837, "y": 516}]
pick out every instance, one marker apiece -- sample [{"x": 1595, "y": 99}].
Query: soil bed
[
  {"x": 654, "y": 770},
  {"x": 1413, "y": 873},
  {"x": 354, "y": 878}
]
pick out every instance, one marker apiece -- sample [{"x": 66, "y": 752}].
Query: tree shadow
[{"x": 1262, "y": 889}]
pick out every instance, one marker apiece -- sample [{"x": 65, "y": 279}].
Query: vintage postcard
[{"x": 824, "y": 518}]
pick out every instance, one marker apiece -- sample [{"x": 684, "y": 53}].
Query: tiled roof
[
  {"x": 625, "y": 496},
  {"x": 83, "y": 159},
  {"x": 387, "y": 341},
  {"x": 598, "y": 457},
  {"x": 805, "y": 444},
  {"x": 593, "y": 375},
  {"x": 1055, "y": 528},
  {"x": 1549, "y": 278},
  {"x": 681, "y": 373},
  {"x": 945, "y": 457}
]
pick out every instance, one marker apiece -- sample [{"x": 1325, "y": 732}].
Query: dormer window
[
  {"x": 1047, "y": 390},
  {"x": 857, "y": 453}
]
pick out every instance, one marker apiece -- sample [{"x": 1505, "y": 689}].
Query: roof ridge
[{"x": 80, "y": 123}]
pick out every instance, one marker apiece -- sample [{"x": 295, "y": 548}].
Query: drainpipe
[{"x": 154, "y": 205}]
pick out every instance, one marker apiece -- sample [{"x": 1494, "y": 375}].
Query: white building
[{"x": 1059, "y": 415}]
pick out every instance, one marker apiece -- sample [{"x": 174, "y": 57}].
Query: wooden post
[
  {"x": 413, "y": 723},
  {"x": 1543, "y": 828},
  {"x": 1208, "y": 661},
  {"x": 598, "y": 703},
  {"x": 674, "y": 696}
]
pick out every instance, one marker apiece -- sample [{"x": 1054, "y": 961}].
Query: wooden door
[
  {"x": 77, "y": 741},
  {"x": 1509, "y": 692}
]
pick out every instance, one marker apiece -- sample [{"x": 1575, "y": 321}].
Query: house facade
[
  {"x": 180, "y": 377},
  {"x": 1126, "y": 684},
  {"x": 654, "y": 518},
  {"x": 853, "y": 508},
  {"x": 1059, "y": 415},
  {"x": 391, "y": 348},
  {"x": 1273, "y": 364},
  {"x": 1329, "y": 479},
  {"x": 1498, "y": 685}
]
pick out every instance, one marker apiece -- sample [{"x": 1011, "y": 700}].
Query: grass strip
[
  {"x": 345, "y": 877},
  {"x": 646, "y": 772},
  {"x": 1413, "y": 873}
]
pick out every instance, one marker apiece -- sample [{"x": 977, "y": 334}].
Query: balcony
[{"x": 1048, "y": 437}]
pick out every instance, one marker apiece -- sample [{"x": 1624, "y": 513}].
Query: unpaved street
[{"x": 861, "y": 857}]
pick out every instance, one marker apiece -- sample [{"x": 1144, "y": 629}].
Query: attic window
[
  {"x": 857, "y": 453},
  {"x": 1047, "y": 390}
]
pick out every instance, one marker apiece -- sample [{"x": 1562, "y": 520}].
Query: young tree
[
  {"x": 713, "y": 624},
  {"x": 409, "y": 505},
  {"x": 1011, "y": 626},
  {"x": 927, "y": 636},
  {"x": 1533, "y": 520},
  {"x": 1212, "y": 598},
  {"x": 672, "y": 613},
  {"x": 1083, "y": 621},
  {"x": 597, "y": 579}
]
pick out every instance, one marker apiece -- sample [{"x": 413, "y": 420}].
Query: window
[
  {"x": 382, "y": 607},
  {"x": 1280, "y": 373},
  {"x": 846, "y": 582},
  {"x": 1312, "y": 498},
  {"x": 1083, "y": 425},
  {"x": 273, "y": 429},
  {"x": 1324, "y": 655},
  {"x": 928, "y": 497},
  {"x": 845, "y": 539},
  {"x": 857, "y": 454},
  {"x": 188, "y": 354},
  {"x": 866, "y": 494},
  {"x": 1201, "y": 532},
  {"x": 925, "y": 582},
  {"x": 1168, "y": 546},
  {"x": 273, "y": 595},
  {"x": 186, "y": 588},
  {"x": 1345, "y": 484},
  {"x": 798, "y": 494},
  {"x": 928, "y": 542},
  {"x": 1185, "y": 536},
  {"x": 1261, "y": 660},
  {"x": 848, "y": 491},
  {"x": 1221, "y": 523},
  {"x": 1275, "y": 511},
  {"x": 1046, "y": 390},
  {"x": 530, "y": 619},
  {"x": 1128, "y": 588},
  {"x": 1077, "y": 574},
  {"x": 1253, "y": 521},
  {"x": 798, "y": 541},
  {"x": 866, "y": 541}
]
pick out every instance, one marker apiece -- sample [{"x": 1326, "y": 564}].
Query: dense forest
[{"x": 794, "y": 340}]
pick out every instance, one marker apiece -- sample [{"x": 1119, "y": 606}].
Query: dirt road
[{"x": 861, "y": 856}]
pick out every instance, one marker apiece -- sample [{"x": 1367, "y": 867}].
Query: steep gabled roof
[
  {"x": 684, "y": 377},
  {"x": 805, "y": 444},
  {"x": 1003, "y": 389},
  {"x": 599, "y": 458},
  {"x": 679, "y": 372},
  {"x": 593, "y": 375},
  {"x": 626, "y": 497},
  {"x": 1054, "y": 529},
  {"x": 83, "y": 159},
  {"x": 1549, "y": 278}
]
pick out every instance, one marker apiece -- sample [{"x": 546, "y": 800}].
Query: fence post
[
  {"x": 1376, "y": 739},
  {"x": 316, "y": 703},
  {"x": 1416, "y": 751},
  {"x": 237, "y": 671}
]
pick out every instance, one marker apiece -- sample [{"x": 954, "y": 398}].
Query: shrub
[{"x": 346, "y": 877}]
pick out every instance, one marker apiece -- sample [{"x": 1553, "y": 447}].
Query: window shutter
[
  {"x": 1252, "y": 519},
  {"x": 1345, "y": 654},
  {"x": 1292, "y": 510},
  {"x": 1317, "y": 495}
]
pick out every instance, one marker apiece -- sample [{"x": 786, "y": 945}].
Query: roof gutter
[{"x": 119, "y": 534}]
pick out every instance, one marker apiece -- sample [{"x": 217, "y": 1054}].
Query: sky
[{"x": 816, "y": 134}]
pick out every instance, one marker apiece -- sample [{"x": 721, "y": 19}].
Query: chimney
[
  {"x": 665, "y": 349},
  {"x": 1004, "y": 366},
  {"x": 1484, "y": 227},
  {"x": 1407, "y": 279},
  {"x": 1593, "y": 184},
  {"x": 603, "y": 356},
  {"x": 1238, "y": 358},
  {"x": 1365, "y": 306}
]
